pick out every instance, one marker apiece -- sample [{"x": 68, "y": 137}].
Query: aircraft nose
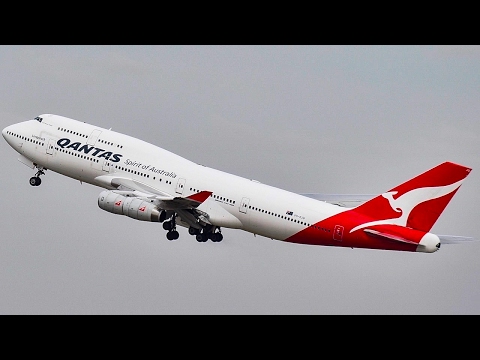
[
  {"x": 4, "y": 132},
  {"x": 7, "y": 134}
]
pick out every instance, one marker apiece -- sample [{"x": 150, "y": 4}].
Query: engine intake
[{"x": 130, "y": 206}]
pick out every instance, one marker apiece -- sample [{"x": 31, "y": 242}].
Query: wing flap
[{"x": 130, "y": 187}]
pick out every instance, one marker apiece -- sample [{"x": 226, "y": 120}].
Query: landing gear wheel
[
  {"x": 202, "y": 237},
  {"x": 168, "y": 225},
  {"x": 193, "y": 231},
  {"x": 172, "y": 235},
  {"x": 35, "y": 181},
  {"x": 217, "y": 237}
]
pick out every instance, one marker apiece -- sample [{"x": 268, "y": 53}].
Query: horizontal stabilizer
[
  {"x": 344, "y": 200},
  {"x": 454, "y": 239},
  {"x": 388, "y": 236}
]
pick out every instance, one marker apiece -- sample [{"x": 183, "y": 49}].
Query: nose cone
[{"x": 7, "y": 134}]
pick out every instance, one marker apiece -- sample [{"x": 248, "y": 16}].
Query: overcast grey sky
[{"x": 328, "y": 119}]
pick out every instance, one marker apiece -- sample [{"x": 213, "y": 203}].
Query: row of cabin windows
[
  {"x": 224, "y": 199},
  {"x": 216, "y": 197},
  {"x": 85, "y": 136},
  {"x": 26, "y": 139},
  {"x": 139, "y": 173},
  {"x": 289, "y": 218},
  {"x": 72, "y": 132},
  {"x": 77, "y": 154},
  {"x": 110, "y": 143},
  {"x": 132, "y": 171}
]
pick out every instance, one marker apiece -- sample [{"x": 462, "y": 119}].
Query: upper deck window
[{"x": 38, "y": 118}]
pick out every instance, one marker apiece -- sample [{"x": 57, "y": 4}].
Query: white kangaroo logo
[{"x": 406, "y": 202}]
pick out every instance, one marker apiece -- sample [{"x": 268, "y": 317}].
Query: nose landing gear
[{"x": 35, "y": 180}]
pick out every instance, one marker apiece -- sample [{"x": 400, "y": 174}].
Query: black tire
[
  {"x": 193, "y": 231},
  {"x": 201, "y": 238},
  {"x": 217, "y": 237},
  {"x": 35, "y": 181},
  {"x": 167, "y": 225}
]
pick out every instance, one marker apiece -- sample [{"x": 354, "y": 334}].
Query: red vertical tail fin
[{"x": 418, "y": 202}]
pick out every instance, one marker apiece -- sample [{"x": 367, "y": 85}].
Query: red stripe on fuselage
[{"x": 335, "y": 231}]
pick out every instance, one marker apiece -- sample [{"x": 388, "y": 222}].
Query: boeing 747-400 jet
[{"x": 148, "y": 183}]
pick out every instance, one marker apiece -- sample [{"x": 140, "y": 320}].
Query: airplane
[{"x": 148, "y": 183}]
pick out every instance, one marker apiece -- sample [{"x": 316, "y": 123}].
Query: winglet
[{"x": 200, "y": 197}]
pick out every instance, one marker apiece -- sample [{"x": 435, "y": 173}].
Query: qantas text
[{"x": 65, "y": 143}]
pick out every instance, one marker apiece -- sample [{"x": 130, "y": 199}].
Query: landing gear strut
[
  {"x": 171, "y": 226},
  {"x": 207, "y": 232},
  {"x": 35, "y": 180}
]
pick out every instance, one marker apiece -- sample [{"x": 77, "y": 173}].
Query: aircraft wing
[
  {"x": 126, "y": 184},
  {"x": 129, "y": 187},
  {"x": 344, "y": 200}
]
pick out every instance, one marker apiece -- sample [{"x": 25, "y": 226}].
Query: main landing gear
[
  {"x": 35, "y": 180},
  {"x": 208, "y": 232},
  {"x": 215, "y": 237},
  {"x": 171, "y": 227}
]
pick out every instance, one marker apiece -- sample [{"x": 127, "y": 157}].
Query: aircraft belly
[{"x": 271, "y": 228}]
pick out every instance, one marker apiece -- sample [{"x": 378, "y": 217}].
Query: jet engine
[{"x": 133, "y": 207}]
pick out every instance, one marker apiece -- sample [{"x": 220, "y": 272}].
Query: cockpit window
[{"x": 38, "y": 118}]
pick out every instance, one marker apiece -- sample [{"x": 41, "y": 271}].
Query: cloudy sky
[{"x": 326, "y": 119}]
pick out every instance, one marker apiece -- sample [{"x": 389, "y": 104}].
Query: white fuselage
[{"x": 91, "y": 154}]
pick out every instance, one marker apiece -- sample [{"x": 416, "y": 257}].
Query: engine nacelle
[{"x": 130, "y": 206}]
